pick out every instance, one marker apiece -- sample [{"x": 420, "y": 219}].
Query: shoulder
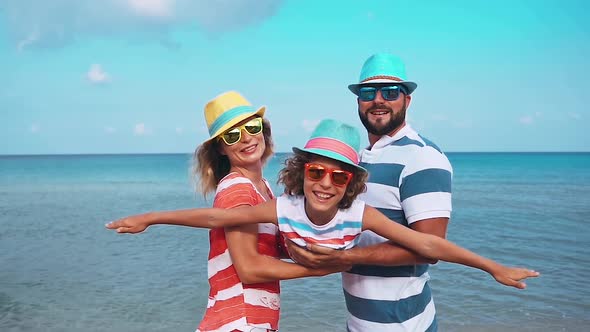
[
  {"x": 425, "y": 155},
  {"x": 358, "y": 205},
  {"x": 289, "y": 201},
  {"x": 234, "y": 190}
]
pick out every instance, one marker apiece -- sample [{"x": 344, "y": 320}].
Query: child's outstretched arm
[
  {"x": 438, "y": 248},
  {"x": 201, "y": 218}
]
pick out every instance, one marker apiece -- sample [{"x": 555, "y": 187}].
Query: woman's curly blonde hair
[{"x": 293, "y": 174}]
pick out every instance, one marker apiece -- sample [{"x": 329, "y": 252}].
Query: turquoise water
[{"x": 60, "y": 270}]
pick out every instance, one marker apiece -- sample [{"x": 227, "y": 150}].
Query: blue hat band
[{"x": 227, "y": 116}]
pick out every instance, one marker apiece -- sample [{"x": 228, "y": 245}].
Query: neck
[
  {"x": 253, "y": 173},
  {"x": 319, "y": 218},
  {"x": 374, "y": 138}
]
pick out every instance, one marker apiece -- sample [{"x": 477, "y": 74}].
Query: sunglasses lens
[
  {"x": 367, "y": 93},
  {"x": 340, "y": 178},
  {"x": 390, "y": 92},
  {"x": 315, "y": 172},
  {"x": 254, "y": 126},
  {"x": 232, "y": 136}
]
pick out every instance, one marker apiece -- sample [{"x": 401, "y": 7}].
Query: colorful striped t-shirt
[{"x": 342, "y": 232}]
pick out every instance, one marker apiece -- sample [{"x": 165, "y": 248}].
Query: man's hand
[
  {"x": 513, "y": 276},
  {"x": 317, "y": 256}
]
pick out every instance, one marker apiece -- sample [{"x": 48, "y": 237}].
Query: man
[{"x": 410, "y": 182}]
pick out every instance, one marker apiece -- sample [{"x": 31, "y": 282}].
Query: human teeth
[{"x": 323, "y": 196}]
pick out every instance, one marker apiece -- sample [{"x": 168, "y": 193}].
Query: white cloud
[
  {"x": 529, "y": 119},
  {"x": 153, "y": 8},
  {"x": 97, "y": 75},
  {"x": 526, "y": 120},
  {"x": 109, "y": 130},
  {"x": 179, "y": 130},
  {"x": 34, "y": 128},
  {"x": 140, "y": 130},
  {"x": 30, "y": 39},
  {"x": 309, "y": 125},
  {"x": 55, "y": 23}
]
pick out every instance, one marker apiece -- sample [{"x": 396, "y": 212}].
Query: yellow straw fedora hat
[{"x": 227, "y": 110}]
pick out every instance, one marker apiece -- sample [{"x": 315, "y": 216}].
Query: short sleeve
[
  {"x": 235, "y": 195},
  {"x": 425, "y": 190}
]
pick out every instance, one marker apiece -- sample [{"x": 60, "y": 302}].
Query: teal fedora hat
[
  {"x": 383, "y": 68},
  {"x": 335, "y": 140}
]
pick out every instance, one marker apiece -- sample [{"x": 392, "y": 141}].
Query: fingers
[
  {"x": 121, "y": 226},
  {"x": 124, "y": 230},
  {"x": 291, "y": 246},
  {"x": 115, "y": 224},
  {"x": 515, "y": 277},
  {"x": 110, "y": 225},
  {"x": 319, "y": 249},
  {"x": 526, "y": 273},
  {"x": 293, "y": 249},
  {"x": 519, "y": 285}
]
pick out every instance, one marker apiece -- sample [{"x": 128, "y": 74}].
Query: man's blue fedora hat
[{"x": 383, "y": 68}]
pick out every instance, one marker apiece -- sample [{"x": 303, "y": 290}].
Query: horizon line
[{"x": 277, "y": 152}]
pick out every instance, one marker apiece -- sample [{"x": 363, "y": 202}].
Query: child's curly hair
[{"x": 293, "y": 174}]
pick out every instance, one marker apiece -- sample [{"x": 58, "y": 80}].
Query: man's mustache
[{"x": 379, "y": 108}]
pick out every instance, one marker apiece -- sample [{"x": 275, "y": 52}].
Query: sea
[{"x": 61, "y": 270}]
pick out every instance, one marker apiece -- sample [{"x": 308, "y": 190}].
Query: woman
[{"x": 243, "y": 267}]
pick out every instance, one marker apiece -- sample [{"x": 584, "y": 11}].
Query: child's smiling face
[{"x": 322, "y": 196}]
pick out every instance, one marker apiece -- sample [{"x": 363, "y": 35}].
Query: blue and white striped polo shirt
[{"x": 409, "y": 180}]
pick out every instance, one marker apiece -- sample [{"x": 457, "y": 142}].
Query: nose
[
  {"x": 326, "y": 181},
  {"x": 245, "y": 137},
  {"x": 378, "y": 97}
]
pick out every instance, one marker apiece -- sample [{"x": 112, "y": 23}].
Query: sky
[{"x": 132, "y": 76}]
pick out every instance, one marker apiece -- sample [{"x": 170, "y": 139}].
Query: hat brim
[
  {"x": 410, "y": 86},
  {"x": 331, "y": 155},
  {"x": 236, "y": 120}
]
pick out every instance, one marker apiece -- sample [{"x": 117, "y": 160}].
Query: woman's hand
[
  {"x": 315, "y": 256},
  {"x": 132, "y": 224}
]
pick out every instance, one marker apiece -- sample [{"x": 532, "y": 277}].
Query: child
[{"x": 320, "y": 207}]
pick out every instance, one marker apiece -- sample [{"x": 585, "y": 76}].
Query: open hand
[
  {"x": 512, "y": 276},
  {"x": 132, "y": 224}
]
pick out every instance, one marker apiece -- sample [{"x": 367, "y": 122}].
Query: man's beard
[{"x": 386, "y": 128}]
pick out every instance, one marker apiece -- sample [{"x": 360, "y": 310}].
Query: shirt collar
[{"x": 386, "y": 139}]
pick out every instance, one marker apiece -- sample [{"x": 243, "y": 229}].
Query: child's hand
[
  {"x": 512, "y": 276},
  {"x": 132, "y": 224}
]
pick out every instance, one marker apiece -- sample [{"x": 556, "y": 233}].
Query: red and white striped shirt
[{"x": 233, "y": 305}]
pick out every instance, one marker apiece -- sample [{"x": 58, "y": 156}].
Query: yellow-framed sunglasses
[{"x": 234, "y": 135}]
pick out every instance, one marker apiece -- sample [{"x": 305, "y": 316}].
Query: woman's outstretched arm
[{"x": 201, "y": 218}]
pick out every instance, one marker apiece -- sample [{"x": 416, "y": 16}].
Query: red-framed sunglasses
[{"x": 316, "y": 172}]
